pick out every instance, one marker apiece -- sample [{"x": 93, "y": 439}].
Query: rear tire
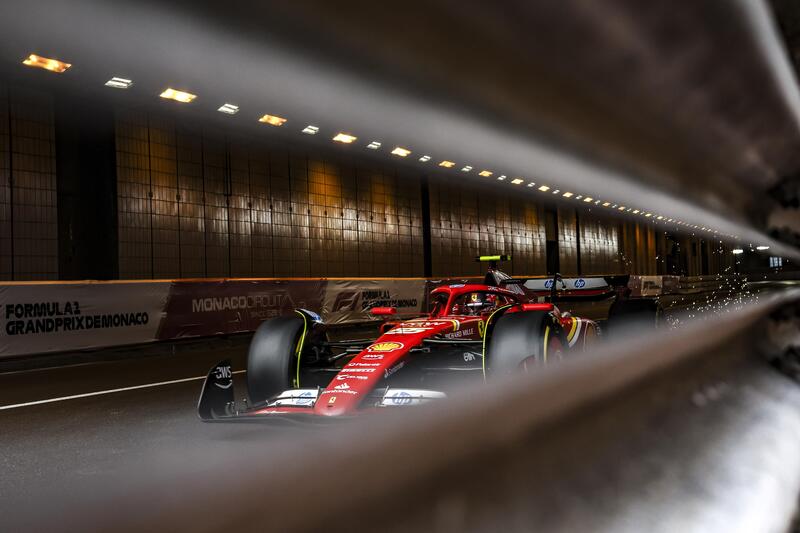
[
  {"x": 631, "y": 317},
  {"x": 272, "y": 357},
  {"x": 521, "y": 341}
]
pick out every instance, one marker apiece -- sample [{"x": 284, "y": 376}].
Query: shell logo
[{"x": 385, "y": 346}]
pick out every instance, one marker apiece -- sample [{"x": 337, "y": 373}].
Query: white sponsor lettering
[
  {"x": 373, "y": 356},
  {"x": 406, "y": 331},
  {"x": 342, "y": 377},
  {"x": 363, "y": 370},
  {"x": 389, "y": 371}
]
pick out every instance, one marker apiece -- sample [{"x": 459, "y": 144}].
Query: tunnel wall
[
  {"x": 28, "y": 215},
  {"x": 153, "y": 195},
  {"x": 224, "y": 205}
]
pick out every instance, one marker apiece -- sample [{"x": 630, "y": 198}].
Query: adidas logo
[{"x": 342, "y": 386}]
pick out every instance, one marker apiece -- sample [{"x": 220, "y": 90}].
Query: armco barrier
[{"x": 66, "y": 316}]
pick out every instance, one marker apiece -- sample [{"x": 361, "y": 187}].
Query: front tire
[
  {"x": 521, "y": 341},
  {"x": 272, "y": 357}
]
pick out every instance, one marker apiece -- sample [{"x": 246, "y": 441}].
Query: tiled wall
[
  {"x": 600, "y": 240},
  {"x": 468, "y": 220},
  {"x": 28, "y": 211},
  {"x": 195, "y": 202}
]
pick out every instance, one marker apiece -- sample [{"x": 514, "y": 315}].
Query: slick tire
[
  {"x": 631, "y": 317},
  {"x": 521, "y": 341},
  {"x": 272, "y": 357}
]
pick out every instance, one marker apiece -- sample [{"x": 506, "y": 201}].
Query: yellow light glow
[
  {"x": 53, "y": 65},
  {"x": 484, "y": 173},
  {"x": 544, "y": 188},
  {"x": 178, "y": 96},
  {"x": 345, "y": 138},
  {"x": 606, "y": 204},
  {"x": 635, "y": 211},
  {"x": 272, "y": 120},
  {"x": 447, "y": 164},
  {"x": 659, "y": 217},
  {"x": 649, "y": 215},
  {"x": 568, "y": 195},
  {"x": 621, "y": 208},
  {"x": 516, "y": 181},
  {"x": 588, "y": 199},
  {"x": 402, "y": 152}
]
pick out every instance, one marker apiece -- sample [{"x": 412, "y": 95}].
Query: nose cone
[{"x": 334, "y": 405}]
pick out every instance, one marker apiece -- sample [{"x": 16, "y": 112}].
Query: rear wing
[
  {"x": 583, "y": 288},
  {"x": 593, "y": 287}
]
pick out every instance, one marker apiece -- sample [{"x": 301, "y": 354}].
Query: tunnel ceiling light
[
  {"x": 179, "y": 96},
  {"x": 517, "y": 181},
  {"x": 544, "y": 188},
  {"x": 374, "y": 145},
  {"x": 556, "y": 191},
  {"x": 762, "y": 248},
  {"x": 53, "y": 65},
  {"x": 567, "y": 195},
  {"x": 531, "y": 184},
  {"x": 659, "y": 217},
  {"x": 606, "y": 204},
  {"x": 579, "y": 197},
  {"x": 228, "y": 109},
  {"x": 466, "y": 168},
  {"x": 588, "y": 199},
  {"x": 311, "y": 130},
  {"x": 273, "y": 120},
  {"x": 485, "y": 173},
  {"x": 621, "y": 208},
  {"x": 737, "y": 251},
  {"x": 649, "y": 215},
  {"x": 501, "y": 177},
  {"x": 345, "y": 138},
  {"x": 635, "y": 211},
  {"x": 425, "y": 158},
  {"x": 596, "y": 202},
  {"x": 447, "y": 164},
  {"x": 400, "y": 151},
  {"x": 119, "y": 83},
  {"x": 669, "y": 220}
]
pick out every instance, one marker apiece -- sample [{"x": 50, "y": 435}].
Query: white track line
[{"x": 109, "y": 391}]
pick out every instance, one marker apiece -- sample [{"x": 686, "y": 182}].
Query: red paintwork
[
  {"x": 383, "y": 311},
  {"x": 367, "y": 370}
]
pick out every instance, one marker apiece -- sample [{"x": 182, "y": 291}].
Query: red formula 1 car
[{"x": 471, "y": 330}]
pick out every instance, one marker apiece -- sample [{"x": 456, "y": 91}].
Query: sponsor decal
[
  {"x": 548, "y": 284},
  {"x": 372, "y": 356},
  {"x": 386, "y": 347},
  {"x": 351, "y": 392},
  {"x": 302, "y": 401},
  {"x": 362, "y": 370},
  {"x": 580, "y": 283},
  {"x": 460, "y": 333},
  {"x": 481, "y": 328},
  {"x": 223, "y": 372},
  {"x": 456, "y": 285},
  {"x": 468, "y": 356},
  {"x": 369, "y": 298},
  {"x": 331, "y": 400},
  {"x": 342, "y": 377},
  {"x": 406, "y": 331},
  {"x": 343, "y": 386},
  {"x": 357, "y": 363},
  {"x": 55, "y": 317},
  {"x": 401, "y": 398},
  {"x": 389, "y": 371}
]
